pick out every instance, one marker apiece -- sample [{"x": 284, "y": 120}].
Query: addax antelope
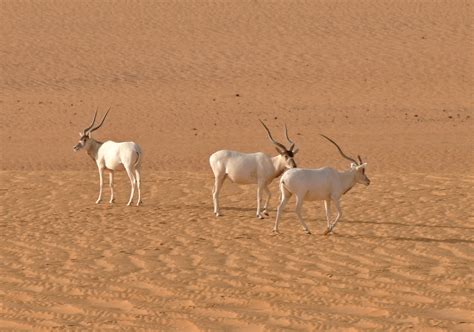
[
  {"x": 324, "y": 184},
  {"x": 251, "y": 168},
  {"x": 110, "y": 155}
]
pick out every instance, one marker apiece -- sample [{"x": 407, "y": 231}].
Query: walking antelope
[
  {"x": 249, "y": 168},
  {"x": 325, "y": 184},
  {"x": 110, "y": 155}
]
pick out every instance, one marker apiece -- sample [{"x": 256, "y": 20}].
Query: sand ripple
[{"x": 66, "y": 262}]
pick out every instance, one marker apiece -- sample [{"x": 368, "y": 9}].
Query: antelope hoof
[
  {"x": 217, "y": 214},
  {"x": 98, "y": 201},
  {"x": 307, "y": 231},
  {"x": 266, "y": 213},
  {"x": 328, "y": 231},
  {"x": 259, "y": 216},
  {"x": 129, "y": 203},
  {"x": 276, "y": 231},
  {"x": 112, "y": 201},
  {"x": 139, "y": 203}
]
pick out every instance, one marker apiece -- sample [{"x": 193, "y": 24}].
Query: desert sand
[{"x": 389, "y": 80}]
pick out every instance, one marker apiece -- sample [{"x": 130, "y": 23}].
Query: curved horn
[
  {"x": 100, "y": 124},
  {"x": 93, "y": 121},
  {"x": 281, "y": 146},
  {"x": 288, "y": 139},
  {"x": 337, "y": 146}
]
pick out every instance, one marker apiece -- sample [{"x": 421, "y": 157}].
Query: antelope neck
[
  {"x": 93, "y": 148},
  {"x": 278, "y": 166},
  {"x": 347, "y": 180}
]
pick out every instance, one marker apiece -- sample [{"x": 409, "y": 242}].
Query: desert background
[{"x": 389, "y": 80}]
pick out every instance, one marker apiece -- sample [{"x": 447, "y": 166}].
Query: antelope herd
[{"x": 324, "y": 184}]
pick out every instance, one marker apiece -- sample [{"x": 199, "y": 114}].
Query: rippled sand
[{"x": 391, "y": 81}]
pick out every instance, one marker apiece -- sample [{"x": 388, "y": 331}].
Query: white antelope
[
  {"x": 110, "y": 155},
  {"x": 250, "y": 168},
  {"x": 322, "y": 184}
]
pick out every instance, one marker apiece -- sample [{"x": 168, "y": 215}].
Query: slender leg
[
  {"x": 327, "y": 207},
  {"x": 259, "y": 201},
  {"x": 269, "y": 195},
  {"x": 285, "y": 196},
  {"x": 218, "y": 182},
  {"x": 138, "y": 179},
  {"x": 299, "y": 205},
  {"x": 111, "y": 185},
  {"x": 132, "y": 183},
  {"x": 339, "y": 213},
  {"x": 101, "y": 184}
]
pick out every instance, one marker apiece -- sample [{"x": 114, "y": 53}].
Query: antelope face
[
  {"x": 82, "y": 142},
  {"x": 358, "y": 167},
  {"x": 288, "y": 157},
  {"x": 85, "y": 136},
  {"x": 360, "y": 174}
]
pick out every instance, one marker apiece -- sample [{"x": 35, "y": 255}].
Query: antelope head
[
  {"x": 357, "y": 166},
  {"x": 287, "y": 154},
  {"x": 86, "y": 136}
]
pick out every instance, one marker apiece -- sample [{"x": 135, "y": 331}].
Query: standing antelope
[
  {"x": 110, "y": 155},
  {"x": 249, "y": 168},
  {"x": 325, "y": 184}
]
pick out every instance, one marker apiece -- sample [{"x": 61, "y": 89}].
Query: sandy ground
[{"x": 391, "y": 81}]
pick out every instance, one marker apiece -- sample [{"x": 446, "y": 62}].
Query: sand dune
[
  {"x": 391, "y": 81},
  {"x": 397, "y": 259}
]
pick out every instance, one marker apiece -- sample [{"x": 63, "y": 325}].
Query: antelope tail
[{"x": 139, "y": 155}]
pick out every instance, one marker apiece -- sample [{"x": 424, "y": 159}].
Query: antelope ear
[
  {"x": 296, "y": 151},
  {"x": 280, "y": 151},
  {"x": 353, "y": 165},
  {"x": 364, "y": 165},
  {"x": 80, "y": 134}
]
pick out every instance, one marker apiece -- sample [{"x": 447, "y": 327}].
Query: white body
[
  {"x": 247, "y": 168},
  {"x": 111, "y": 156},
  {"x": 323, "y": 184}
]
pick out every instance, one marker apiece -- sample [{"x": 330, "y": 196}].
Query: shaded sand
[{"x": 391, "y": 81}]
